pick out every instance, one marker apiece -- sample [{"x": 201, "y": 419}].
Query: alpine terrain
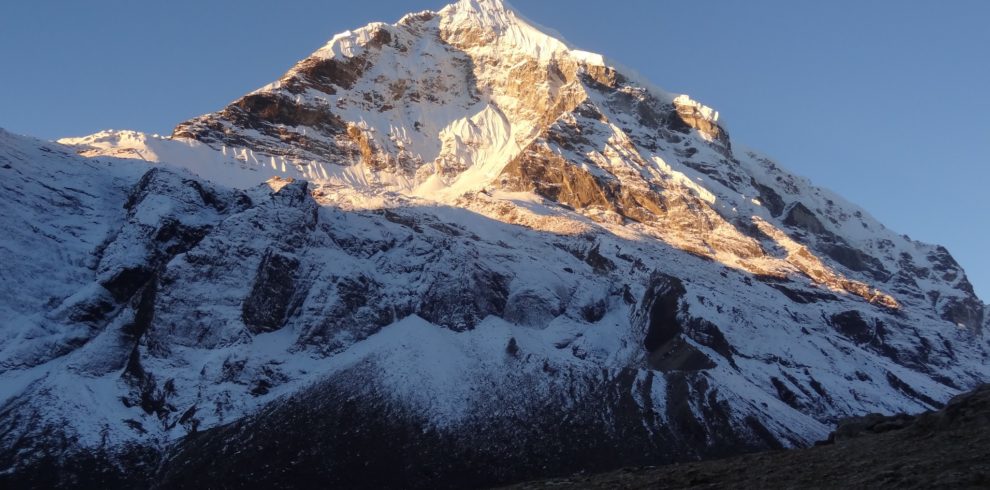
[{"x": 450, "y": 251}]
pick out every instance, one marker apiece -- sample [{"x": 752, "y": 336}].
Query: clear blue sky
[{"x": 885, "y": 102}]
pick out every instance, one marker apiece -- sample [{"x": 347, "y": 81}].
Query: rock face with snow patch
[{"x": 476, "y": 237}]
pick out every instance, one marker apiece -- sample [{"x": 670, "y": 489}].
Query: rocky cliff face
[{"x": 476, "y": 236}]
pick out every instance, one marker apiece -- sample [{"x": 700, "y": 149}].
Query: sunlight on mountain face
[
  {"x": 501, "y": 106},
  {"x": 459, "y": 229},
  {"x": 277, "y": 183}
]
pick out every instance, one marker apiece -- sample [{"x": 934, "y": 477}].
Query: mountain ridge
[{"x": 517, "y": 240}]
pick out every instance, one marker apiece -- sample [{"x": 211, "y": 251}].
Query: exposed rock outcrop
[{"x": 272, "y": 295}]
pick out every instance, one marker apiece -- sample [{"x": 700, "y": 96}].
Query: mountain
[
  {"x": 451, "y": 251},
  {"x": 865, "y": 452}
]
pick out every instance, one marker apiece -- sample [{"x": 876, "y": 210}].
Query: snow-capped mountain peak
[
  {"x": 497, "y": 18},
  {"x": 490, "y": 14},
  {"x": 450, "y": 226},
  {"x": 500, "y": 104}
]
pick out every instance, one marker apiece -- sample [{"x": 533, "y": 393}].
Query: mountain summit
[{"x": 451, "y": 250}]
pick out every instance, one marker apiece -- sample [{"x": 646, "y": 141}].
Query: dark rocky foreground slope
[{"x": 948, "y": 448}]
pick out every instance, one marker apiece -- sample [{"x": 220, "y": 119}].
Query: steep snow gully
[{"x": 453, "y": 250}]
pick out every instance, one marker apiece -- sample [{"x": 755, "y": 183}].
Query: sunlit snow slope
[{"x": 460, "y": 235}]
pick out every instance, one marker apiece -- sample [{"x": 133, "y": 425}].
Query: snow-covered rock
[{"x": 460, "y": 235}]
